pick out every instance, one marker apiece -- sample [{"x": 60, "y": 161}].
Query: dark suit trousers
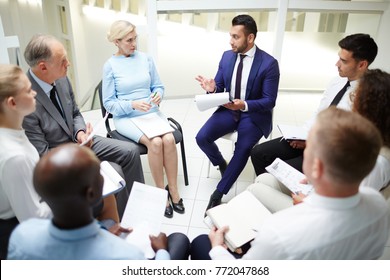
[
  {"x": 265, "y": 153},
  {"x": 220, "y": 123},
  {"x": 201, "y": 246},
  {"x": 6, "y": 228},
  {"x": 178, "y": 246},
  {"x": 125, "y": 154}
]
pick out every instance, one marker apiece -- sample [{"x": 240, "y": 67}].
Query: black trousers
[
  {"x": 178, "y": 246},
  {"x": 265, "y": 153},
  {"x": 201, "y": 246},
  {"x": 6, "y": 228}
]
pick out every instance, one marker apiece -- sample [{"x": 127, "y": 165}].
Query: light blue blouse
[{"x": 129, "y": 78}]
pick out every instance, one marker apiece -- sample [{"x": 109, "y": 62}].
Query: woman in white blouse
[{"x": 18, "y": 157}]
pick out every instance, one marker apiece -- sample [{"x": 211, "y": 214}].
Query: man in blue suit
[{"x": 252, "y": 78}]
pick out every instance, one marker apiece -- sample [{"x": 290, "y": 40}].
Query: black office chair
[{"x": 177, "y": 133}]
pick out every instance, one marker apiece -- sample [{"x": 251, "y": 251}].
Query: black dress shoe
[
  {"x": 177, "y": 207},
  {"x": 222, "y": 167},
  {"x": 168, "y": 211},
  {"x": 212, "y": 203}
]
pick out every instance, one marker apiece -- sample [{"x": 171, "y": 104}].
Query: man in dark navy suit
[{"x": 252, "y": 78}]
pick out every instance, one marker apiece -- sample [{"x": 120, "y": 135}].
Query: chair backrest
[{"x": 99, "y": 90}]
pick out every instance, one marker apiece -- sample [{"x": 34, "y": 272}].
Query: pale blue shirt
[
  {"x": 129, "y": 78},
  {"x": 38, "y": 239}
]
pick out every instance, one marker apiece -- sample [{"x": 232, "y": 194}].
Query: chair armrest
[{"x": 175, "y": 124}]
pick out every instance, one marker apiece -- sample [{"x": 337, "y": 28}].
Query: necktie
[
  {"x": 340, "y": 94},
  {"x": 53, "y": 99},
  {"x": 237, "y": 93}
]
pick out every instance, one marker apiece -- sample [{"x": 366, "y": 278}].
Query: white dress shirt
[
  {"x": 379, "y": 176},
  {"x": 18, "y": 158},
  {"x": 321, "y": 227},
  {"x": 330, "y": 93},
  {"x": 246, "y": 68}
]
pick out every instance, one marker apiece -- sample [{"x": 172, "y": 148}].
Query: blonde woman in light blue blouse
[{"x": 132, "y": 87}]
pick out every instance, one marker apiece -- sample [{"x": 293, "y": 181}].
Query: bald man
[{"x": 68, "y": 179}]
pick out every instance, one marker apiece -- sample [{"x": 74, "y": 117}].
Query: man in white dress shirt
[
  {"x": 337, "y": 220},
  {"x": 357, "y": 52}
]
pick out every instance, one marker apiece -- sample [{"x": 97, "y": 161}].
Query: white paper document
[
  {"x": 113, "y": 182},
  {"x": 152, "y": 125},
  {"x": 293, "y": 132},
  {"x": 97, "y": 127},
  {"x": 211, "y": 100},
  {"x": 289, "y": 176},
  {"x": 144, "y": 213}
]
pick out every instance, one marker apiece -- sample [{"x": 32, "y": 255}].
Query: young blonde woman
[
  {"x": 18, "y": 157},
  {"x": 132, "y": 87}
]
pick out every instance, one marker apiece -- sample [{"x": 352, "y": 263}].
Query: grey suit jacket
[{"x": 45, "y": 128}]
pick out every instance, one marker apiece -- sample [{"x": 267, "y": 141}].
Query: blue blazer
[{"x": 262, "y": 86}]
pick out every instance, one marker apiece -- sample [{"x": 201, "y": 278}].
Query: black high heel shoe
[
  {"x": 168, "y": 211},
  {"x": 177, "y": 207}
]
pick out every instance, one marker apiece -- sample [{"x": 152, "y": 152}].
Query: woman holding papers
[{"x": 132, "y": 88}]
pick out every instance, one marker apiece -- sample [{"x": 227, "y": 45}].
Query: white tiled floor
[{"x": 291, "y": 108}]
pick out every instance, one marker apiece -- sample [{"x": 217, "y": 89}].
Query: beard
[{"x": 242, "y": 48}]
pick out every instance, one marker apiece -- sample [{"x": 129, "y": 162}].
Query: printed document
[
  {"x": 211, "y": 100},
  {"x": 144, "y": 213},
  {"x": 289, "y": 176}
]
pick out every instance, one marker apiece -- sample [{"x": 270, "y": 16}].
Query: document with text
[
  {"x": 289, "y": 176},
  {"x": 144, "y": 213}
]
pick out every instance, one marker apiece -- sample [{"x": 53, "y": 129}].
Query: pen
[{"x": 150, "y": 98}]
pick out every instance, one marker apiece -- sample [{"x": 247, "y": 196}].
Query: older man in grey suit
[{"x": 57, "y": 119}]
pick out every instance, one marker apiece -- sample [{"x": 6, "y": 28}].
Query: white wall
[
  {"x": 23, "y": 19},
  {"x": 183, "y": 51},
  {"x": 383, "y": 40}
]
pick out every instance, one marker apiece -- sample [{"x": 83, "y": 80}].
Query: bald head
[{"x": 69, "y": 174}]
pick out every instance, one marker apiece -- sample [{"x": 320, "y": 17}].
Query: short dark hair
[
  {"x": 362, "y": 46},
  {"x": 248, "y": 22}
]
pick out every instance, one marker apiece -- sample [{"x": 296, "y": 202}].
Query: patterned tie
[
  {"x": 340, "y": 95},
  {"x": 53, "y": 99},
  {"x": 237, "y": 93}
]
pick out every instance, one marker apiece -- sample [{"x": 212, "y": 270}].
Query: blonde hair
[
  {"x": 9, "y": 80},
  {"x": 119, "y": 29},
  {"x": 10, "y": 83},
  {"x": 348, "y": 144}
]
